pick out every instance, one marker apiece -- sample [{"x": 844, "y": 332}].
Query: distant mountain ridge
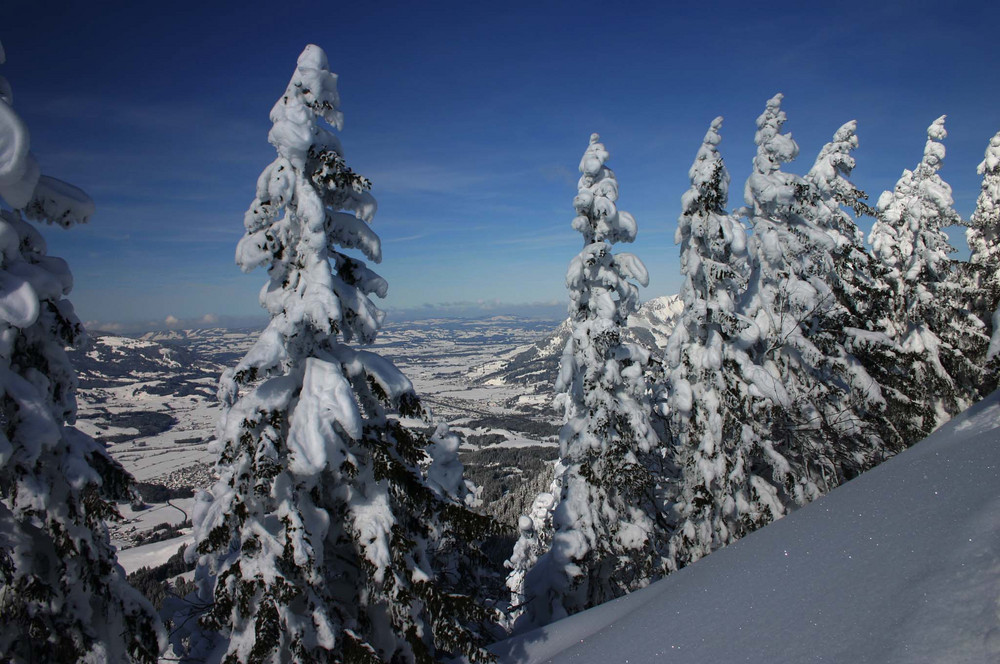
[
  {"x": 111, "y": 360},
  {"x": 535, "y": 366},
  {"x": 225, "y": 346}
]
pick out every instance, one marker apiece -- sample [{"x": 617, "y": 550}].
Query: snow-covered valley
[{"x": 152, "y": 401}]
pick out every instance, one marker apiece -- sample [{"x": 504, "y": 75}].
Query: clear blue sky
[{"x": 469, "y": 118}]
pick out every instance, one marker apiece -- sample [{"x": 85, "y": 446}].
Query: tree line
[{"x": 338, "y": 531}]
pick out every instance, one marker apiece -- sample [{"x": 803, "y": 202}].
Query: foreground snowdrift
[{"x": 899, "y": 565}]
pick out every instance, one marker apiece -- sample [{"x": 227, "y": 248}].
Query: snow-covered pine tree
[
  {"x": 63, "y": 596},
  {"x": 929, "y": 316},
  {"x": 606, "y": 538},
  {"x": 863, "y": 301},
  {"x": 983, "y": 236},
  {"x": 334, "y": 532},
  {"x": 534, "y": 539},
  {"x": 719, "y": 495},
  {"x": 817, "y": 436}
]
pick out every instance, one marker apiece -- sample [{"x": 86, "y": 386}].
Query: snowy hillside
[
  {"x": 652, "y": 324},
  {"x": 152, "y": 404},
  {"x": 900, "y": 565},
  {"x": 162, "y": 368},
  {"x": 535, "y": 366},
  {"x": 223, "y": 346}
]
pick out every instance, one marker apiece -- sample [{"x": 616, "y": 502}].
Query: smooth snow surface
[
  {"x": 152, "y": 555},
  {"x": 899, "y": 565}
]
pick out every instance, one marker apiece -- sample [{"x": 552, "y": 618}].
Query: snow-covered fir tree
[
  {"x": 929, "y": 317},
  {"x": 719, "y": 496},
  {"x": 606, "y": 530},
  {"x": 534, "y": 538},
  {"x": 334, "y": 532},
  {"x": 983, "y": 236},
  {"x": 63, "y": 596},
  {"x": 817, "y": 436},
  {"x": 858, "y": 319}
]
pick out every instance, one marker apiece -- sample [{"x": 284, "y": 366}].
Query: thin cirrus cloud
[
  {"x": 407, "y": 238},
  {"x": 158, "y": 119},
  {"x": 424, "y": 178}
]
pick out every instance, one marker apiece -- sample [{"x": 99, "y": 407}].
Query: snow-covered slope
[
  {"x": 223, "y": 346},
  {"x": 900, "y": 565},
  {"x": 652, "y": 324},
  {"x": 153, "y": 404},
  {"x": 536, "y": 366},
  {"x": 111, "y": 361}
]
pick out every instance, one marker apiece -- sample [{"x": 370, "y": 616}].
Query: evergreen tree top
[
  {"x": 773, "y": 147},
  {"x": 768, "y": 190},
  {"x": 707, "y": 173},
  {"x": 933, "y": 150},
  {"x": 829, "y": 180},
  {"x": 311, "y": 93},
  {"x": 936, "y": 131},
  {"x": 834, "y": 159},
  {"x": 921, "y": 201},
  {"x": 598, "y": 219},
  {"x": 991, "y": 162},
  {"x": 599, "y": 282},
  {"x": 309, "y": 206},
  {"x": 713, "y": 243},
  {"x": 987, "y": 213}
]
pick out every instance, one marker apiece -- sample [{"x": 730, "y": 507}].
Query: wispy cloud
[
  {"x": 408, "y": 238},
  {"x": 540, "y": 239},
  {"x": 103, "y": 326},
  {"x": 163, "y": 117},
  {"x": 424, "y": 178}
]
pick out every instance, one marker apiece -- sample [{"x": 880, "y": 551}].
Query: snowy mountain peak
[{"x": 655, "y": 320}]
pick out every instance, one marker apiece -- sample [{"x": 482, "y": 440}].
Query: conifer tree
[
  {"x": 606, "y": 538},
  {"x": 334, "y": 532},
  {"x": 720, "y": 494},
  {"x": 63, "y": 596},
  {"x": 818, "y": 437},
  {"x": 929, "y": 317},
  {"x": 983, "y": 236},
  {"x": 534, "y": 539},
  {"x": 858, "y": 319}
]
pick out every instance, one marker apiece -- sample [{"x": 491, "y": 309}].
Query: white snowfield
[
  {"x": 901, "y": 565},
  {"x": 152, "y": 555}
]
